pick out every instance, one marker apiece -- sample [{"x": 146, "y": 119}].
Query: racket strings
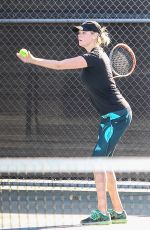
[{"x": 122, "y": 61}]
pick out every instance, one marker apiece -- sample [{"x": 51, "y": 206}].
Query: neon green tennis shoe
[
  {"x": 118, "y": 218},
  {"x": 97, "y": 218}
]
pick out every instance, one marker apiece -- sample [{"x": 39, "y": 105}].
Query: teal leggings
[{"x": 111, "y": 128}]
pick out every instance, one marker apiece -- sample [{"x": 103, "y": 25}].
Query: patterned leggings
[{"x": 111, "y": 129}]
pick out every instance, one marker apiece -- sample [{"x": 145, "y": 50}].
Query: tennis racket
[{"x": 123, "y": 60}]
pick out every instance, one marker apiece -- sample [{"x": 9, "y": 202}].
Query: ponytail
[{"x": 103, "y": 38}]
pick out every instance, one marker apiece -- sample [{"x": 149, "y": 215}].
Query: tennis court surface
[
  {"x": 33, "y": 202},
  {"x": 133, "y": 222}
]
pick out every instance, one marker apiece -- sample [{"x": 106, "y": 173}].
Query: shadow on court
[{"x": 46, "y": 227}]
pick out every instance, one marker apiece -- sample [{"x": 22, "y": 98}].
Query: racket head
[{"x": 123, "y": 60}]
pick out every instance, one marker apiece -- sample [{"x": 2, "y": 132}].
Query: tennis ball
[{"x": 23, "y": 53}]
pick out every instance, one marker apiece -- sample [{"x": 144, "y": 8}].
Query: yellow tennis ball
[{"x": 23, "y": 53}]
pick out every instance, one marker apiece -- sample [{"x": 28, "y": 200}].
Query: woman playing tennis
[{"x": 114, "y": 112}]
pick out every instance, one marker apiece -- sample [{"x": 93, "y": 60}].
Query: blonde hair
[{"x": 103, "y": 38}]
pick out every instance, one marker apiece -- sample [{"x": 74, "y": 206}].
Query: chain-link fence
[
  {"x": 47, "y": 113},
  {"x": 62, "y": 9}
]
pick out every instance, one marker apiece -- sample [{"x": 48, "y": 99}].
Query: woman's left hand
[{"x": 27, "y": 59}]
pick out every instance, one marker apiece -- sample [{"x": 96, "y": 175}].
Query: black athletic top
[{"x": 98, "y": 80}]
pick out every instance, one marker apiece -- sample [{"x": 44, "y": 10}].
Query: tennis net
[{"x": 47, "y": 193}]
